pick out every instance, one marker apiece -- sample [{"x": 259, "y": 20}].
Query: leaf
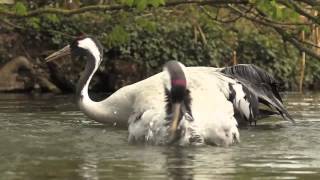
[
  {"x": 291, "y": 15},
  {"x": 156, "y": 3},
  {"x": 141, "y": 4},
  {"x": 34, "y": 22},
  {"x": 52, "y": 18},
  {"x": 162, "y": 2},
  {"x": 277, "y": 11},
  {"x": 117, "y": 36},
  {"x": 127, "y": 2},
  {"x": 20, "y": 9},
  {"x": 146, "y": 24}
]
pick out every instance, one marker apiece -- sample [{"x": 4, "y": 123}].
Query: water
[{"x": 47, "y": 137}]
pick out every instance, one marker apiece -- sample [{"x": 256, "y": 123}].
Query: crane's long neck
[
  {"x": 93, "y": 109},
  {"x": 82, "y": 91},
  {"x": 105, "y": 111}
]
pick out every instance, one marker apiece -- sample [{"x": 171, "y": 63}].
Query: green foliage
[
  {"x": 52, "y": 18},
  {"x": 127, "y": 2},
  {"x": 290, "y": 14},
  {"x": 146, "y": 24},
  {"x": 117, "y": 36},
  {"x": 19, "y": 8},
  {"x": 276, "y": 10},
  {"x": 34, "y": 23},
  {"x": 190, "y": 37},
  {"x": 142, "y": 4},
  {"x": 169, "y": 42},
  {"x": 157, "y": 3}
]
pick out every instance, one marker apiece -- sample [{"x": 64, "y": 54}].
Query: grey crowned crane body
[{"x": 183, "y": 105}]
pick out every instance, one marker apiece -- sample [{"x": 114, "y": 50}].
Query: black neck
[
  {"x": 186, "y": 103},
  {"x": 85, "y": 77}
]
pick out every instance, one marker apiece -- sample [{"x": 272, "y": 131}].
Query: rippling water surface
[{"x": 47, "y": 137}]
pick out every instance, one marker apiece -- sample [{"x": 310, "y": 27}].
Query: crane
[{"x": 181, "y": 105}]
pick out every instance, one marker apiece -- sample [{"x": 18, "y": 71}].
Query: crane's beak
[
  {"x": 175, "y": 120},
  {"x": 61, "y": 53}
]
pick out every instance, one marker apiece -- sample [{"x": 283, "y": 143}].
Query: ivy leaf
[
  {"x": 156, "y": 3},
  {"x": 52, "y": 18},
  {"x": 162, "y": 2},
  {"x": 20, "y": 9},
  {"x": 117, "y": 36},
  {"x": 277, "y": 11},
  {"x": 141, "y": 4},
  {"x": 34, "y": 23},
  {"x": 291, "y": 15},
  {"x": 127, "y": 2},
  {"x": 146, "y": 24}
]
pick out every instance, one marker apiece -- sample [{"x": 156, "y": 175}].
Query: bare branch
[
  {"x": 296, "y": 43},
  {"x": 286, "y": 36},
  {"x": 104, "y": 8},
  {"x": 216, "y": 18},
  {"x": 311, "y": 2},
  {"x": 300, "y": 10},
  {"x": 9, "y": 25},
  {"x": 284, "y": 24},
  {"x": 311, "y": 44},
  {"x": 254, "y": 19}
]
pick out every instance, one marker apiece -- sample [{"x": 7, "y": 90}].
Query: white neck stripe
[{"x": 90, "y": 45}]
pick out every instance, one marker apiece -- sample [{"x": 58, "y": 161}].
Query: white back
[{"x": 212, "y": 113}]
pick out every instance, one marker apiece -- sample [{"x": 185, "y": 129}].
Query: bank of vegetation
[{"x": 139, "y": 36}]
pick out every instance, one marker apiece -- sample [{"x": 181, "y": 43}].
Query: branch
[
  {"x": 311, "y": 2},
  {"x": 296, "y": 43},
  {"x": 286, "y": 36},
  {"x": 9, "y": 24},
  {"x": 63, "y": 11},
  {"x": 263, "y": 16},
  {"x": 300, "y": 10},
  {"x": 216, "y": 18},
  {"x": 311, "y": 44},
  {"x": 104, "y": 8},
  {"x": 254, "y": 19}
]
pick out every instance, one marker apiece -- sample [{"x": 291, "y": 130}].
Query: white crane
[{"x": 181, "y": 105}]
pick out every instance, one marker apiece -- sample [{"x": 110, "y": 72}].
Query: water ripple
[{"x": 49, "y": 138}]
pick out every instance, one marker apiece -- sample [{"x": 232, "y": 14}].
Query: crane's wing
[{"x": 254, "y": 86}]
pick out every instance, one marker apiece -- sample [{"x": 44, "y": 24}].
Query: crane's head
[
  {"x": 176, "y": 92},
  {"x": 81, "y": 46}
]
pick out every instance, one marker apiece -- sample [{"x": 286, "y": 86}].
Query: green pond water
[{"x": 47, "y": 137}]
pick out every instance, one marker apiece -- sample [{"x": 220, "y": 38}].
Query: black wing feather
[{"x": 260, "y": 84}]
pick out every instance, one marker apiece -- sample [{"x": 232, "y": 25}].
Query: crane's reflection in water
[{"x": 179, "y": 164}]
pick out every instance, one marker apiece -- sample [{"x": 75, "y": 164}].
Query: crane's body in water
[
  {"x": 181, "y": 105},
  {"x": 216, "y": 125}
]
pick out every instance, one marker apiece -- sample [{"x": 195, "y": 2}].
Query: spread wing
[{"x": 254, "y": 87}]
